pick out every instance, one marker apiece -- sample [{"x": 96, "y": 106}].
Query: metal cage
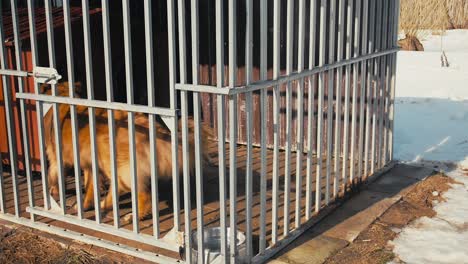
[{"x": 292, "y": 111}]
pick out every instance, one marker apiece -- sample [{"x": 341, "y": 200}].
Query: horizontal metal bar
[
  {"x": 157, "y": 258},
  {"x": 283, "y": 79},
  {"x": 90, "y": 224},
  {"x": 16, "y": 73},
  {"x": 99, "y": 104},
  {"x": 203, "y": 88}
]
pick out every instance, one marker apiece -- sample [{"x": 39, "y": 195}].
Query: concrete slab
[
  {"x": 345, "y": 224},
  {"x": 349, "y": 221},
  {"x": 400, "y": 179},
  {"x": 313, "y": 251}
]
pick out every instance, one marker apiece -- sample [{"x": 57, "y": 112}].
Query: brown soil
[
  {"x": 25, "y": 245},
  {"x": 372, "y": 245}
]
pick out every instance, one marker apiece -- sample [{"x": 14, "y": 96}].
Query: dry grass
[{"x": 419, "y": 17}]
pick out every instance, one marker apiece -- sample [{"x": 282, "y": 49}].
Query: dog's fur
[{"x": 163, "y": 151}]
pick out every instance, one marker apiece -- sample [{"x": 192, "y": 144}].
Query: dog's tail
[{"x": 206, "y": 135}]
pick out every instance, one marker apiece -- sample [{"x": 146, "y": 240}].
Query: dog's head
[{"x": 63, "y": 89}]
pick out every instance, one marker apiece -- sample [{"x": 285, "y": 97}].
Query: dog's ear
[{"x": 78, "y": 89}]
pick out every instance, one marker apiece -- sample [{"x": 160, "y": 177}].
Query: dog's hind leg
[
  {"x": 88, "y": 201},
  {"x": 53, "y": 180}
]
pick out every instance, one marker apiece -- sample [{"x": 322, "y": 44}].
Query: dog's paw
[{"x": 127, "y": 219}]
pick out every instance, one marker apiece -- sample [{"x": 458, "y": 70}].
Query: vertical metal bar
[
  {"x": 376, "y": 69},
  {"x": 152, "y": 122},
  {"x": 276, "y": 98},
  {"x": 362, "y": 94},
  {"x": 197, "y": 136},
  {"x": 55, "y": 107},
  {"x": 263, "y": 117},
  {"x": 220, "y": 99},
  {"x": 349, "y": 37},
  {"x": 131, "y": 115},
  {"x": 338, "y": 142},
  {"x": 287, "y": 166},
  {"x": 322, "y": 54},
  {"x": 331, "y": 85},
  {"x": 369, "y": 81},
  {"x": 24, "y": 124},
  {"x": 92, "y": 120},
  {"x": 185, "y": 145},
  {"x": 311, "y": 108},
  {"x": 355, "y": 69},
  {"x": 174, "y": 131},
  {"x": 300, "y": 113},
  {"x": 7, "y": 89},
  {"x": 249, "y": 125},
  {"x": 73, "y": 117},
  {"x": 232, "y": 130},
  {"x": 39, "y": 109},
  {"x": 396, "y": 14},
  {"x": 388, "y": 65},
  {"x": 383, "y": 86},
  {"x": 110, "y": 113}
]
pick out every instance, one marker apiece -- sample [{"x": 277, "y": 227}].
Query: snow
[
  {"x": 431, "y": 128},
  {"x": 444, "y": 238},
  {"x": 431, "y": 105}
]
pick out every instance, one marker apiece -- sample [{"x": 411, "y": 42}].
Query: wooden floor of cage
[{"x": 211, "y": 198}]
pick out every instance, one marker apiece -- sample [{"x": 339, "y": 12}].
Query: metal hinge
[{"x": 40, "y": 74}]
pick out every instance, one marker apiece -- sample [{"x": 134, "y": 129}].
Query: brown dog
[{"x": 163, "y": 151}]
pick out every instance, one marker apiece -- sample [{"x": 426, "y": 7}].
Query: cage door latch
[{"x": 46, "y": 75}]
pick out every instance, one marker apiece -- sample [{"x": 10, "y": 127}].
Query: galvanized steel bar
[
  {"x": 249, "y": 127},
  {"x": 310, "y": 109},
  {"x": 276, "y": 98},
  {"x": 362, "y": 94},
  {"x": 110, "y": 114},
  {"x": 287, "y": 161},
  {"x": 300, "y": 113},
  {"x": 355, "y": 69},
  {"x": 232, "y": 43},
  {"x": 349, "y": 37},
  {"x": 104, "y": 228},
  {"x": 7, "y": 89},
  {"x": 73, "y": 116},
  {"x": 370, "y": 93},
  {"x": 152, "y": 119},
  {"x": 185, "y": 144},
  {"x": 24, "y": 124},
  {"x": 263, "y": 117},
  {"x": 396, "y": 14},
  {"x": 239, "y": 89},
  {"x": 388, "y": 59},
  {"x": 55, "y": 107},
  {"x": 375, "y": 118},
  {"x": 383, "y": 86},
  {"x": 320, "y": 108},
  {"x": 339, "y": 88},
  {"x": 92, "y": 119},
  {"x": 331, "y": 85},
  {"x": 131, "y": 116},
  {"x": 39, "y": 109},
  {"x": 220, "y": 100},
  {"x": 197, "y": 135}
]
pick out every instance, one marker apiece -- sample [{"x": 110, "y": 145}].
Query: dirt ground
[
  {"x": 24, "y": 245},
  {"x": 371, "y": 246}
]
